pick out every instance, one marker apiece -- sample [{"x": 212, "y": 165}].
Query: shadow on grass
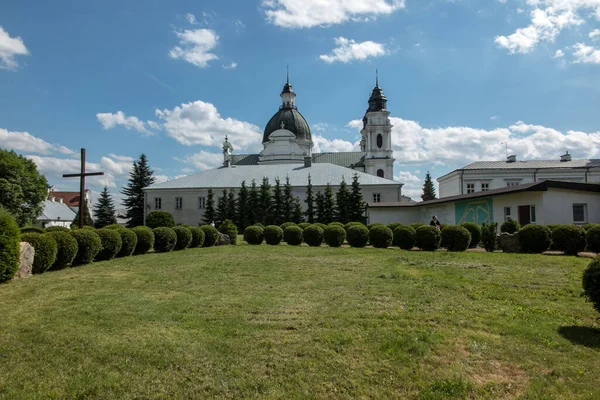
[{"x": 583, "y": 335}]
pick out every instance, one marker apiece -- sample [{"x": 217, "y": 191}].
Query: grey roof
[
  {"x": 343, "y": 159},
  {"x": 54, "y": 211},
  {"x": 292, "y": 120},
  {"x": 533, "y": 164},
  {"x": 321, "y": 175}
]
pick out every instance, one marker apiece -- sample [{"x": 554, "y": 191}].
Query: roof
[
  {"x": 343, "y": 159},
  {"x": 55, "y": 211},
  {"x": 292, "y": 120},
  {"x": 321, "y": 175},
  {"x": 533, "y": 164},
  {"x": 69, "y": 198}
]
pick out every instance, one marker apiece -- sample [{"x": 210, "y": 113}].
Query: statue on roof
[{"x": 227, "y": 150}]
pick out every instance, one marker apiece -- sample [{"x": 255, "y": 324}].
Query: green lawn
[{"x": 285, "y": 322}]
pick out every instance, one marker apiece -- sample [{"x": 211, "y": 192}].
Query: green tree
[
  {"x": 22, "y": 188},
  {"x": 288, "y": 201},
  {"x": 104, "y": 210},
  {"x": 139, "y": 178},
  {"x": 222, "y": 208},
  {"x": 278, "y": 206},
  {"x": 297, "y": 212},
  {"x": 265, "y": 203},
  {"x": 209, "y": 211},
  {"x": 87, "y": 218},
  {"x": 254, "y": 203},
  {"x": 243, "y": 214},
  {"x": 328, "y": 205},
  {"x": 231, "y": 206},
  {"x": 356, "y": 203},
  {"x": 310, "y": 202},
  {"x": 428, "y": 189},
  {"x": 342, "y": 203},
  {"x": 319, "y": 207}
]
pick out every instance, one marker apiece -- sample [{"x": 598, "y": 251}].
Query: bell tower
[{"x": 377, "y": 136}]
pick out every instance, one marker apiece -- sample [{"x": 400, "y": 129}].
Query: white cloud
[
  {"x": 200, "y": 123},
  {"x": 233, "y": 65},
  {"x": 9, "y": 48},
  {"x": 26, "y": 142},
  {"x": 595, "y": 34},
  {"x": 160, "y": 178},
  {"x": 586, "y": 54},
  {"x": 559, "y": 54},
  {"x": 117, "y": 165},
  {"x": 323, "y": 145},
  {"x": 109, "y": 121},
  {"x": 191, "y": 18},
  {"x": 195, "y": 46},
  {"x": 310, "y": 13},
  {"x": 349, "y": 50},
  {"x": 154, "y": 125},
  {"x": 203, "y": 160},
  {"x": 53, "y": 168}
]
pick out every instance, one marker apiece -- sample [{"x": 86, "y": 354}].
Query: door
[{"x": 524, "y": 215}]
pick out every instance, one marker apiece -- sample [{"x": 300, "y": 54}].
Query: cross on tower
[{"x": 81, "y": 177}]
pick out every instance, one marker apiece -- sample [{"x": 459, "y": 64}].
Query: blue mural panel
[{"x": 476, "y": 210}]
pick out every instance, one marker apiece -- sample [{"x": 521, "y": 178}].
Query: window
[
  {"x": 507, "y": 215},
  {"x": 485, "y": 187},
  {"x": 178, "y": 203},
  {"x": 157, "y": 203},
  {"x": 470, "y": 188},
  {"x": 512, "y": 183},
  {"x": 376, "y": 197},
  {"x": 579, "y": 212},
  {"x": 201, "y": 202},
  {"x": 379, "y": 141},
  {"x": 380, "y": 173}
]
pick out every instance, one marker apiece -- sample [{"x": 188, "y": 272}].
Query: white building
[{"x": 56, "y": 213}]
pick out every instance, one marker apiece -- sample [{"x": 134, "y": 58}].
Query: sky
[{"x": 466, "y": 80}]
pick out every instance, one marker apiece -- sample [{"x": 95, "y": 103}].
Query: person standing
[{"x": 435, "y": 222}]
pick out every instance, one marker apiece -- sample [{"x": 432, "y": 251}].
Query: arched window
[
  {"x": 380, "y": 173},
  {"x": 379, "y": 141}
]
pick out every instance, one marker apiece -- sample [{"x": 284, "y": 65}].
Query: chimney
[
  {"x": 511, "y": 159},
  {"x": 60, "y": 200},
  {"x": 307, "y": 161},
  {"x": 53, "y": 199},
  {"x": 565, "y": 157},
  {"x": 227, "y": 163}
]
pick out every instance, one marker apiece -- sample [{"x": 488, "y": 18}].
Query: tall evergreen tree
[
  {"x": 105, "y": 210},
  {"x": 342, "y": 203},
  {"x": 139, "y": 178},
  {"x": 209, "y": 211},
  {"x": 231, "y": 206},
  {"x": 319, "y": 207},
  {"x": 297, "y": 212},
  {"x": 357, "y": 205},
  {"x": 87, "y": 218},
  {"x": 243, "y": 214},
  {"x": 222, "y": 208},
  {"x": 265, "y": 203},
  {"x": 254, "y": 204},
  {"x": 288, "y": 201},
  {"x": 278, "y": 205},
  {"x": 428, "y": 189},
  {"x": 310, "y": 202},
  {"x": 328, "y": 205}
]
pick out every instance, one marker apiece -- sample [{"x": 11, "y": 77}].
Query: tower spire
[
  {"x": 376, "y": 77},
  {"x": 288, "y": 74}
]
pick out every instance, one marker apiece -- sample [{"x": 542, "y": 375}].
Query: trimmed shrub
[
  {"x": 586, "y": 227},
  {"x": 456, "y": 238},
  {"x": 57, "y": 229},
  {"x": 10, "y": 237},
  {"x": 286, "y": 224},
  {"x": 475, "y": 231},
  {"x": 184, "y": 237},
  {"x": 552, "y": 226},
  {"x": 428, "y": 238},
  {"x": 165, "y": 239},
  {"x": 313, "y": 235},
  {"x": 404, "y": 237},
  {"x": 114, "y": 226},
  {"x": 370, "y": 226},
  {"x": 334, "y": 235},
  {"x": 45, "y": 251},
  {"x": 111, "y": 244},
  {"x": 228, "y": 228},
  {"x": 32, "y": 229},
  {"x": 358, "y": 236},
  {"x": 293, "y": 236},
  {"x": 349, "y": 224},
  {"x": 569, "y": 238},
  {"x": 304, "y": 225},
  {"x": 145, "y": 239},
  {"x": 129, "y": 242},
  {"x": 416, "y": 225},
  {"x": 160, "y": 219},
  {"x": 489, "y": 237},
  {"x": 592, "y": 238},
  {"x": 253, "y": 235},
  {"x": 66, "y": 249},
  {"x": 89, "y": 245},
  {"x": 535, "y": 238},
  {"x": 320, "y": 225},
  {"x": 273, "y": 235},
  {"x": 393, "y": 226},
  {"x": 197, "y": 237},
  {"x": 591, "y": 283},
  {"x": 381, "y": 236},
  {"x": 511, "y": 226},
  {"x": 259, "y": 225},
  {"x": 211, "y": 235},
  {"x": 336, "y": 223}
]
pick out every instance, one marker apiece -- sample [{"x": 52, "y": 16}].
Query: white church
[{"x": 287, "y": 153}]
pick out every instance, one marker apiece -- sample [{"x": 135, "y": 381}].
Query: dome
[{"x": 292, "y": 120}]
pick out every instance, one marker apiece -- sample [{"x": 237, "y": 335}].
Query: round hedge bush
[
  {"x": 592, "y": 238},
  {"x": 404, "y": 237},
  {"x": 313, "y": 235},
  {"x": 349, "y": 224},
  {"x": 165, "y": 239},
  {"x": 569, "y": 238},
  {"x": 66, "y": 249},
  {"x": 45, "y": 251},
  {"x": 511, "y": 226},
  {"x": 273, "y": 235},
  {"x": 428, "y": 238},
  {"x": 129, "y": 242},
  {"x": 304, "y": 225},
  {"x": 320, "y": 225},
  {"x": 416, "y": 225},
  {"x": 586, "y": 227},
  {"x": 358, "y": 236},
  {"x": 336, "y": 223},
  {"x": 259, "y": 225},
  {"x": 228, "y": 228},
  {"x": 591, "y": 283},
  {"x": 145, "y": 239},
  {"x": 211, "y": 235},
  {"x": 370, "y": 226},
  {"x": 160, "y": 219},
  {"x": 184, "y": 237},
  {"x": 10, "y": 237},
  {"x": 89, "y": 245},
  {"x": 253, "y": 235},
  {"x": 393, "y": 225},
  {"x": 57, "y": 229},
  {"x": 381, "y": 236},
  {"x": 334, "y": 235},
  {"x": 111, "y": 244},
  {"x": 286, "y": 224},
  {"x": 197, "y": 237},
  {"x": 293, "y": 236},
  {"x": 475, "y": 231},
  {"x": 535, "y": 238},
  {"x": 32, "y": 229},
  {"x": 456, "y": 238}
]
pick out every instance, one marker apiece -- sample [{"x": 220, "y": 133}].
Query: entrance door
[{"x": 524, "y": 215}]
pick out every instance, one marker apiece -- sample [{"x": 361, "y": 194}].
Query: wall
[
  {"x": 475, "y": 210},
  {"x": 558, "y": 206},
  {"x": 450, "y": 186},
  {"x": 519, "y": 199},
  {"x": 387, "y": 215}
]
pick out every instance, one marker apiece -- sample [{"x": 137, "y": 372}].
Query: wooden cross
[{"x": 81, "y": 177}]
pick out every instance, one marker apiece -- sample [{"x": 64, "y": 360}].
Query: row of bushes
[{"x": 569, "y": 239}]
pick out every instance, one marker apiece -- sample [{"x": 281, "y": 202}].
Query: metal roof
[
  {"x": 533, "y": 164},
  {"x": 321, "y": 175},
  {"x": 55, "y": 211},
  {"x": 344, "y": 159}
]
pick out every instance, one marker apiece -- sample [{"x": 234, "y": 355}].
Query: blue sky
[{"x": 171, "y": 79}]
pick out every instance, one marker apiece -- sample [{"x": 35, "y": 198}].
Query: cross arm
[{"x": 79, "y": 175}]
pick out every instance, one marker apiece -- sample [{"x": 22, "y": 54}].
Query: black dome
[{"x": 293, "y": 121}]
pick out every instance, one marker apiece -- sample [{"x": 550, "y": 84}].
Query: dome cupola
[{"x": 377, "y": 101}]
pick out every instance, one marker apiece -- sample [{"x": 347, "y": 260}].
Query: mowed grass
[{"x": 300, "y": 322}]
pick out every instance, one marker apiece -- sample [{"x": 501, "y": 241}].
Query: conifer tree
[
  {"x": 231, "y": 206},
  {"x": 254, "y": 203},
  {"x": 87, "y": 219},
  {"x": 297, "y": 212},
  {"x": 310, "y": 202},
  {"x": 265, "y": 203},
  {"x": 242, "y": 219},
  {"x": 328, "y": 205},
  {"x": 139, "y": 178},
  {"x": 428, "y": 189},
  {"x": 222, "y": 208},
  {"x": 104, "y": 210},
  {"x": 356, "y": 203},
  {"x": 209, "y": 211},
  {"x": 319, "y": 207},
  {"x": 278, "y": 205},
  {"x": 342, "y": 204},
  {"x": 288, "y": 201}
]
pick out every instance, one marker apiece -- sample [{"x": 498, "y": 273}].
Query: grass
[{"x": 299, "y": 322}]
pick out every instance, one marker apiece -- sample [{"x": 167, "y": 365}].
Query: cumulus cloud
[
  {"x": 53, "y": 168},
  {"x": 195, "y": 47},
  {"x": 26, "y": 142},
  {"x": 323, "y": 145},
  {"x": 311, "y": 13},
  {"x": 586, "y": 54},
  {"x": 117, "y": 165},
  {"x": 110, "y": 121},
  {"x": 9, "y": 48},
  {"x": 233, "y": 65},
  {"x": 203, "y": 160},
  {"x": 349, "y": 50}
]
